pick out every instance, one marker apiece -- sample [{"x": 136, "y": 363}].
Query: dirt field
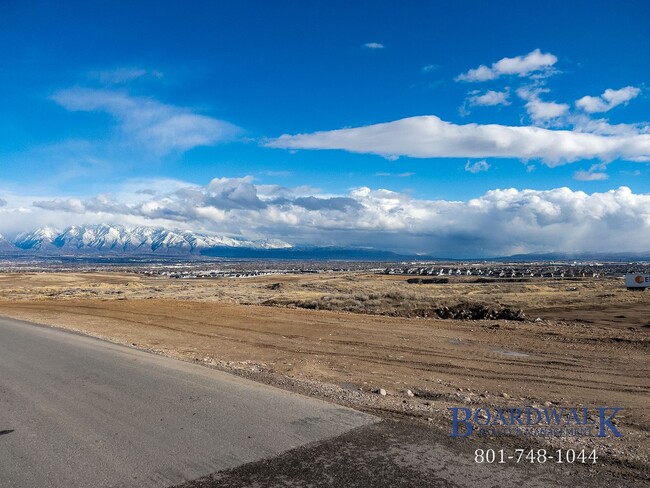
[{"x": 583, "y": 343}]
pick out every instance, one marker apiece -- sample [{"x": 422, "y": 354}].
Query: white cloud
[
  {"x": 489, "y": 98},
  {"x": 583, "y": 123},
  {"x": 146, "y": 122},
  {"x": 502, "y": 221},
  {"x": 373, "y": 45},
  {"x": 477, "y": 167},
  {"x": 534, "y": 63},
  {"x": 595, "y": 173},
  {"x": 590, "y": 176},
  {"x": 431, "y": 137},
  {"x": 3, "y": 202},
  {"x": 541, "y": 112},
  {"x": 124, "y": 75},
  {"x": 430, "y": 67},
  {"x": 608, "y": 100}
]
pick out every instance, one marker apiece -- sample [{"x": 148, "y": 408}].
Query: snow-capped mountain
[
  {"x": 5, "y": 244},
  {"x": 118, "y": 238},
  {"x": 37, "y": 239}
]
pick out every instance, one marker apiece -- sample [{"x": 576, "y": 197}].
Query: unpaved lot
[{"x": 589, "y": 347}]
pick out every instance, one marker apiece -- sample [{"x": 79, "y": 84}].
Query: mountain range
[
  {"x": 94, "y": 239},
  {"x": 118, "y": 242}
]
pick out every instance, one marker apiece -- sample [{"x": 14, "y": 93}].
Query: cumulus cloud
[
  {"x": 373, "y": 45},
  {"x": 431, "y": 137},
  {"x": 590, "y": 176},
  {"x": 99, "y": 204},
  {"x": 535, "y": 63},
  {"x": 583, "y": 123},
  {"x": 500, "y": 222},
  {"x": 74, "y": 205},
  {"x": 541, "y": 112},
  {"x": 608, "y": 100},
  {"x": 160, "y": 127},
  {"x": 3, "y": 202},
  {"x": 595, "y": 173},
  {"x": 477, "y": 167},
  {"x": 489, "y": 98}
]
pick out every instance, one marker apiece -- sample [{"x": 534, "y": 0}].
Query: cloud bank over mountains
[{"x": 500, "y": 222}]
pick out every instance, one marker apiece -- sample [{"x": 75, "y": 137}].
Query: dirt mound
[
  {"x": 427, "y": 281},
  {"x": 476, "y": 311}
]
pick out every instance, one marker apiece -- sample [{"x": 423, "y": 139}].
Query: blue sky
[{"x": 102, "y": 100}]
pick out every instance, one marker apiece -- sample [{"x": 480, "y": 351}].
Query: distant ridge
[
  {"x": 365, "y": 254},
  {"x": 116, "y": 242},
  {"x": 94, "y": 239},
  {"x": 123, "y": 242},
  {"x": 578, "y": 256},
  {"x": 316, "y": 253}
]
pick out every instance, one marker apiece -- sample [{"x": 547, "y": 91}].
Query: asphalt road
[
  {"x": 407, "y": 454},
  {"x": 77, "y": 411}
]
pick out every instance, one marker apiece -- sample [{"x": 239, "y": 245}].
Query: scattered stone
[
  {"x": 467, "y": 399},
  {"x": 548, "y": 404},
  {"x": 505, "y": 395},
  {"x": 410, "y": 393},
  {"x": 380, "y": 391},
  {"x": 538, "y": 320}
]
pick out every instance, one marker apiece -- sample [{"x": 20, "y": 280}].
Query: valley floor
[{"x": 584, "y": 343}]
